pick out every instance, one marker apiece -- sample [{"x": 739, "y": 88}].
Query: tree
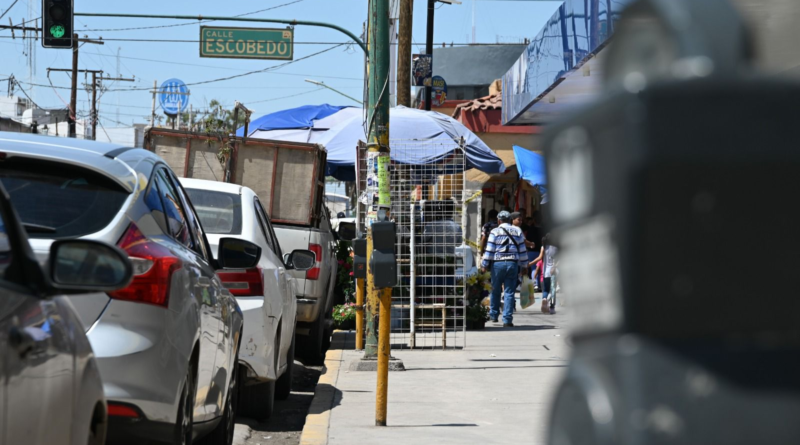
[{"x": 220, "y": 120}]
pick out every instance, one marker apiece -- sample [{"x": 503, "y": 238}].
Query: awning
[{"x": 530, "y": 166}]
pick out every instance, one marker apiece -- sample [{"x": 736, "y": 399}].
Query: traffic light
[{"x": 57, "y": 23}]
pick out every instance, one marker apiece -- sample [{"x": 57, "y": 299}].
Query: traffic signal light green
[{"x": 57, "y": 17}]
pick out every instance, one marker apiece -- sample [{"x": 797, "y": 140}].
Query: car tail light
[
  {"x": 120, "y": 410},
  {"x": 313, "y": 274},
  {"x": 248, "y": 282},
  {"x": 153, "y": 265}
]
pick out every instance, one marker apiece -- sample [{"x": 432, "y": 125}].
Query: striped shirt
[{"x": 501, "y": 247}]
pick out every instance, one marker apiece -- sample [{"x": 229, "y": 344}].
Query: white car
[{"x": 266, "y": 293}]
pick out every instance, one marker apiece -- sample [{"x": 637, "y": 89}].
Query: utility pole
[
  {"x": 94, "y": 105},
  {"x": 429, "y": 50},
  {"x": 153, "y": 108},
  {"x": 404, "y": 53},
  {"x": 73, "y": 95},
  {"x": 378, "y": 149}
]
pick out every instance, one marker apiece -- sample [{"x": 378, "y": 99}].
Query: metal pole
[
  {"x": 153, "y": 108},
  {"x": 360, "y": 288},
  {"x": 73, "y": 95},
  {"x": 404, "y": 53},
  {"x": 229, "y": 19},
  {"x": 429, "y": 50},
  {"x": 94, "y": 106},
  {"x": 378, "y": 145},
  {"x": 413, "y": 278}
]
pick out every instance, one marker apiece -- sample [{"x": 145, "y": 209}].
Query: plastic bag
[{"x": 526, "y": 293}]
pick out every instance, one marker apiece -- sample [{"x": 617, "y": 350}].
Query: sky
[{"x": 341, "y": 67}]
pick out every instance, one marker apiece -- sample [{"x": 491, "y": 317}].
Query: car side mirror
[
  {"x": 79, "y": 266},
  {"x": 347, "y": 231},
  {"x": 235, "y": 253},
  {"x": 301, "y": 260}
]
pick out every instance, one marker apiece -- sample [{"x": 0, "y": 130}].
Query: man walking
[{"x": 506, "y": 257}]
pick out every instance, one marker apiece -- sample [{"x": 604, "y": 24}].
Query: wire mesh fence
[{"x": 428, "y": 208}]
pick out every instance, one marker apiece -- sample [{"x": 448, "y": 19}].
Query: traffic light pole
[
  {"x": 228, "y": 19},
  {"x": 73, "y": 95}
]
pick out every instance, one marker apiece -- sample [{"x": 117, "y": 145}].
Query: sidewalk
[{"x": 496, "y": 391}]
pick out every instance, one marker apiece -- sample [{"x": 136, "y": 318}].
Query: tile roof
[{"x": 492, "y": 102}]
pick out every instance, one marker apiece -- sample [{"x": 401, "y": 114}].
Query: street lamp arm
[
  {"x": 323, "y": 85},
  {"x": 231, "y": 19}
]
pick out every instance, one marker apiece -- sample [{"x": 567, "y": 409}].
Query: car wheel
[
  {"x": 313, "y": 350},
  {"x": 284, "y": 384},
  {"x": 185, "y": 425},
  {"x": 256, "y": 401},
  {"x": 223, "y": 433}
]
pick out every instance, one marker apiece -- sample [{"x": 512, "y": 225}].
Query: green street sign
[{"x": 246, "y": 43}]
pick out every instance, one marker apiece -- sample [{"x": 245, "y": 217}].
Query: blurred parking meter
[{"x": 678, "y": 249}]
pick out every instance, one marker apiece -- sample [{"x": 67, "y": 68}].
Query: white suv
[{"x": 265, "y": 293}]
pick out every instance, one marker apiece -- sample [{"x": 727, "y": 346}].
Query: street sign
[
  {"x": 173, "y": 96},
  {"x": 438, "y": 91},
  {"x": 422, "y": 68},
  {"x": 246, "y": 43}
]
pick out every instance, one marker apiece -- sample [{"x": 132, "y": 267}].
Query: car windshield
[
  {"x": 56, "y": 200},
  {"x": 220, "y": 213}
]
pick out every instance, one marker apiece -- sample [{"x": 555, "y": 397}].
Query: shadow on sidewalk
[
  {"x": 500, "y": 328},
  {"x": 322, "y": 389}
]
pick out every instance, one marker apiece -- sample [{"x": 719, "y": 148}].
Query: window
[
  {"x": 56, "y": 200},
  {"x": 200, "y": 242},
  {"x": 173, "y": 210},
  {"x": 219, "y": 212},
  {"x": 6, "y": 253},
  {"x": 266, "y": 227},
  {"x": 153, "y": 201}
]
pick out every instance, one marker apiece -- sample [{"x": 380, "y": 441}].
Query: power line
[
  {"x": 170, "y": 62},
  {"x": 221, "y": 79},
  {"x": 8, "y": 9},
  {"x": 175, "y": 25}
]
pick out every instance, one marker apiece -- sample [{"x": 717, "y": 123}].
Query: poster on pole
[
  {"x": 422, "y": 66},
  {"x": 438, "y": 91}
]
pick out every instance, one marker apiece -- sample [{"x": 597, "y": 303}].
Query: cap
[
  {"x": 515, "y": 215},
  {"x": 505, "y": 216}
]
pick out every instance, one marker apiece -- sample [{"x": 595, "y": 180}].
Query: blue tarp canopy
[
  {"x": 530, "y": 166},
  {"x": 339, "y": 129}
]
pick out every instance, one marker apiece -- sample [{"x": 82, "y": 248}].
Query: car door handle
[
  {"x": 20, "y": 340},
  {"x": 204, "y": 282}
]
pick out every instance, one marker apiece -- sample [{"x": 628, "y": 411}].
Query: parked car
[
  {"x": 50, "y": 388},
  {"x": 314, "y": 287},
  {"x": 266, "y": 293},
  {"x": 167, "y": 344}
]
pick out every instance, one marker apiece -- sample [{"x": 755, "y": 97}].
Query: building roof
[
  {"x": 491, "y": 102},
  {"x": 474, "y": 65}
]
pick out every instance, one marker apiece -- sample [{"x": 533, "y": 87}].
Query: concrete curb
[{"x": 315, "y": 430}]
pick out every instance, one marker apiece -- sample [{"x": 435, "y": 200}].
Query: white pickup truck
[{"x": 289, "y": 179}]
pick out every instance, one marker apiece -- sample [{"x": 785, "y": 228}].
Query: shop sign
[
  {"x": 438, "y": 91},
  {"x": 173, "y": 96},
  {"x": 247, "y": 43},
  {"x": 422, "y": 65}
]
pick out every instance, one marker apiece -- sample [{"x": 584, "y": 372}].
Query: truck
[{"x": 289, "y": 179}]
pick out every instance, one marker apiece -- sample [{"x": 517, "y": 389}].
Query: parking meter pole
[
  {"x": 378, "y": 150},
  {"x": 360, "y": 288}
]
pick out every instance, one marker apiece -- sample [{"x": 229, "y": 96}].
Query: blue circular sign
[{"x": 173, "y": 96}]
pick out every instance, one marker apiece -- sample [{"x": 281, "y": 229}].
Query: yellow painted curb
[{"x": 315, "y": 431}]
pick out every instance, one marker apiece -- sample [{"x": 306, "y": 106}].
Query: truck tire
[
  {"x": 313, "y": 345},
  {"x": 255, "y": 401},
  {"x": 283, "y": 387}
]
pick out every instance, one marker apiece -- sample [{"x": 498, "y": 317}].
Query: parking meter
[
  {"x": 384, "y": 262},
  {"x": 671, "y": 210},
  {"x": 359, "y": 258}
]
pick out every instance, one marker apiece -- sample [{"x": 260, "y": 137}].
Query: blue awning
[{"x": 530, "y": 166}]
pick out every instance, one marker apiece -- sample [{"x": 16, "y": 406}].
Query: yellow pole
[
  {"x": 360, "y": 314},
  {"x": 381, "y": 397}
]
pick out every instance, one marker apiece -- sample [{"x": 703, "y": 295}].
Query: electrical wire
[
  {"x": 175, "y": 25},
  {"x": 8, "y": 9},
  {"x": 284, "y": 97}
]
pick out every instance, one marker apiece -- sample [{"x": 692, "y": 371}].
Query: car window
[
  {"x": 5, "y": 249},
  {"x": 219, "y": 212},
  {"x": 153, "y": 201},
  {"x": 200, "y": 245},
  {"x": 173, "y": 210},
  {"x": 56, "y": 200},
  {"x": 262, "y": 224},
  {"x": 276, "y": 245}
]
